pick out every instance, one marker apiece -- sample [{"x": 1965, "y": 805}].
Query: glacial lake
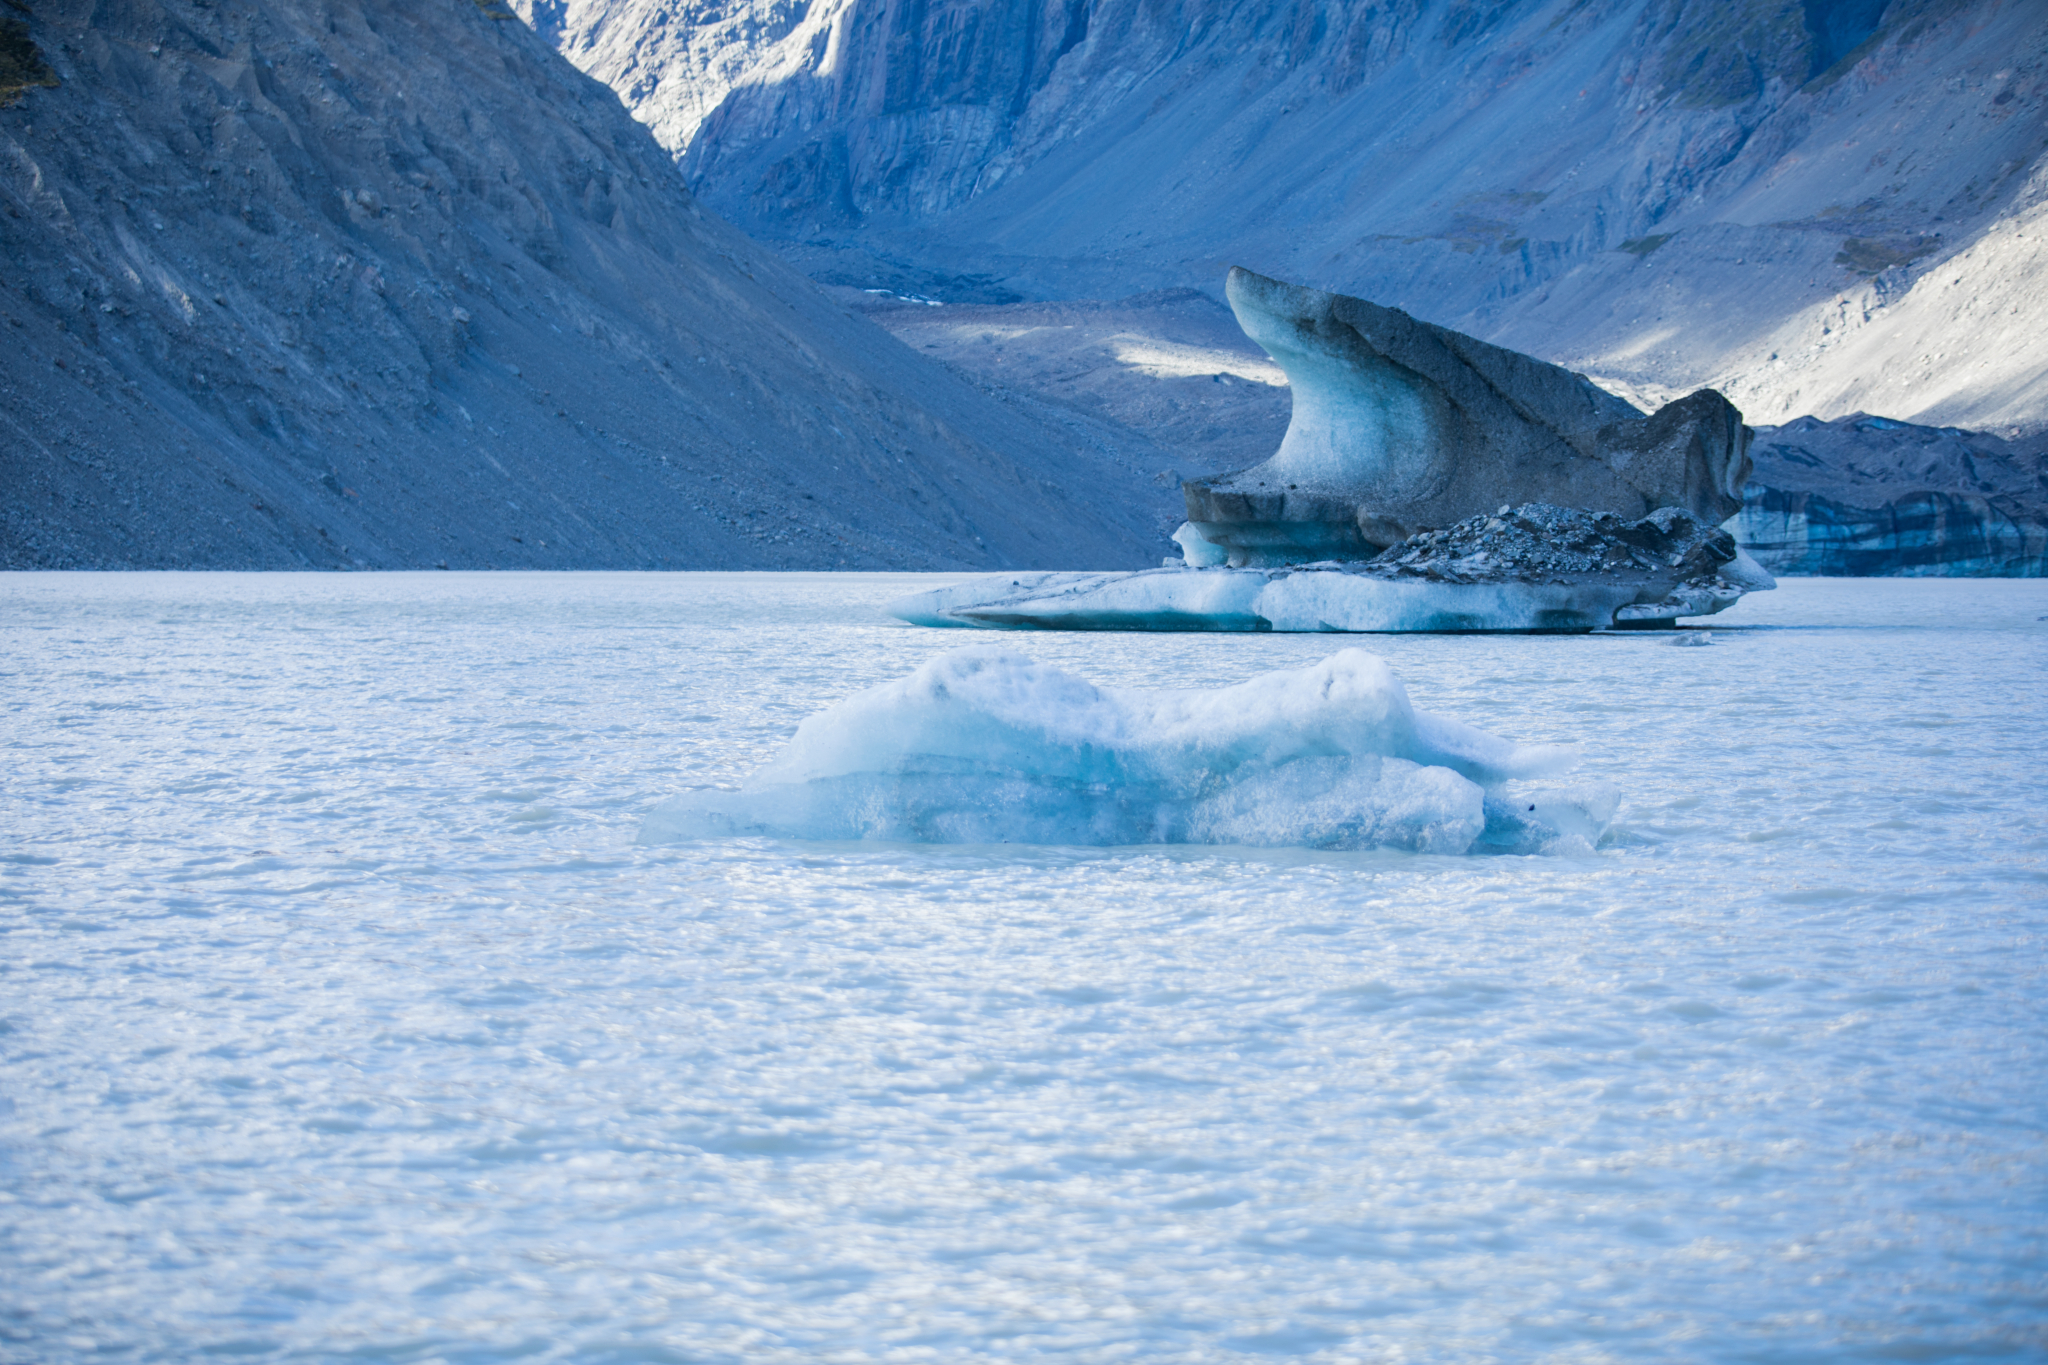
[{"x": 341, "y": 1017}]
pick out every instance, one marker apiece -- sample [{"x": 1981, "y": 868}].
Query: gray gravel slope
[{"x": 364, "y": 283}]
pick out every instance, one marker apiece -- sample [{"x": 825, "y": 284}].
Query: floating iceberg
[
  {"x": 1401, "y": 426},
  {"x": 1530, "y": 568},
  {"x": 981, "y": 746}
]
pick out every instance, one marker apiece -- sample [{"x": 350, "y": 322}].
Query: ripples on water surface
[{"x": 340, "y": 1017}]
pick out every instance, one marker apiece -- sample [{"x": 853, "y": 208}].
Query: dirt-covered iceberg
[
  {"x": 1390, "y": 505},
  {"x": 1400, "y": 426},
  {"x": 983, "y": 747}
]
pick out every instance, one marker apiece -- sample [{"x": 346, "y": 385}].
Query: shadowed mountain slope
[{"x": 366, "y": 283}]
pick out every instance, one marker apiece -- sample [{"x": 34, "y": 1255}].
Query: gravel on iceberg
[
  {"x": 1534, "y": 568},
  {"x": 981, "y": 746}
]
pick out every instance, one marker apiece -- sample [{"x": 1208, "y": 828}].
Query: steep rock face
[
  {"x": 673, "y": 61},
  {"x": 1400, "y": 426},
  {"x": 1862, "y": 495},
  {"x": 369, "y": 283},
  {"x": 1671, "y": 193}
]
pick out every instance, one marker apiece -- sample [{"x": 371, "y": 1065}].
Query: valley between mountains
[{"x": 871, "y": 284}]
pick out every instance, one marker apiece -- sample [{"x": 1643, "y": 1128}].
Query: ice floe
[
  {"x": 984, "y": 746},
  {"x": 1529, "y": 568}
]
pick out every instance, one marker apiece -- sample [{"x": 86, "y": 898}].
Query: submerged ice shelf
[
  {"x": 1320, "y": 597},
  {"x": 1529, "y": 568},
  {"x": 984, "y": 747}
]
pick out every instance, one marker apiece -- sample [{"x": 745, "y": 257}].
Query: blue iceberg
[{"x": 980, "y": 746}]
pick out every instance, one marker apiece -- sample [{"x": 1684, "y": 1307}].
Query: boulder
[{"x": 1401, "y": 426}]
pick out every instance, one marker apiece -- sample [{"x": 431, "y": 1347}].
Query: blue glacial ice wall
[
  {"x": 1863, "y": 495},
  {"x": 1926, "y": 534},
  {"x": 982, "y": 746}
]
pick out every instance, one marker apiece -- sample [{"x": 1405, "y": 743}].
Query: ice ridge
[{"x": 985, "y": 746}]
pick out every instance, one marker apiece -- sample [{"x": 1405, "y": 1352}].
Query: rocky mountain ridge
[{"x": 1819, "y": 207}]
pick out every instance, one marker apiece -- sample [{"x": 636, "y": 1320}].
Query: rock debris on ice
[
  {"x": 1363, "y": 520},
  {"x": 1529, "y": 568},
  {"x": 1679, "y": 565}
]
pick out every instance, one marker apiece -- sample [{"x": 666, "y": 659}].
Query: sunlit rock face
[{"x": 1400, "y": 426}]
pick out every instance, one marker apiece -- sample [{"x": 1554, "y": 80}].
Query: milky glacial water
[{"x": 342, "y": 1019}]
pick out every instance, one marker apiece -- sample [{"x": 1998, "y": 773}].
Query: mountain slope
[
  {"x": 1663, "y": 192},
  {"x": 370, "y": 283},
  {"x": 1962, "y": 345}
]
